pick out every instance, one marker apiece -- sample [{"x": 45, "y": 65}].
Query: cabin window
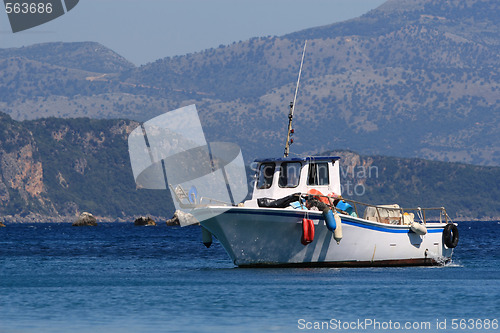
[
  {"x": 266, "y": 173},
  {"x": 318, "y": 174},
  {"x": 289, "y": 174}
]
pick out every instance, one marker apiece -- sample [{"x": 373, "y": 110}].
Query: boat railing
[
  {"x": 184, "y": 201},
  {"x": 390, "y": 214}
]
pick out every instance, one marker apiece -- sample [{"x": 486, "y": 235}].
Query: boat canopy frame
[{"x": 298, "y": 159}]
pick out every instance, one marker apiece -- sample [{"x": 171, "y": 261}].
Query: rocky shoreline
[{"x": 39, "y": 218}]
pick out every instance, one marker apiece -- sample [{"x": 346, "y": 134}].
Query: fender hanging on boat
[
  {"x": 206, "y": 237},
  {"x": 307, "y": 231},
  {"x": 329, "y": 219},
  {"x": 418, "y": 228},
  {"x": 337, "y": 234},
  {"x": 450, "y": 236}
]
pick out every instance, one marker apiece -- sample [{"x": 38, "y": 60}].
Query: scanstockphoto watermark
[
  {"x": 370, "y": 324},
  {"x": 353, "y": 178}
]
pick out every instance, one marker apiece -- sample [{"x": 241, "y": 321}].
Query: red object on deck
[{"x": 318, "y": 193}]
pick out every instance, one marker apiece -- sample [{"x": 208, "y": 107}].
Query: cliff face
[
  {"x": 22, "y": 172},
  {"x": 22, "y": 187}
]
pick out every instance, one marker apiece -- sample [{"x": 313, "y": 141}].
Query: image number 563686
[{"x": 25, "y": 8}]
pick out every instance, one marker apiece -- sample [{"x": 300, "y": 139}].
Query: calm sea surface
[{"x": 122, "y": 278}]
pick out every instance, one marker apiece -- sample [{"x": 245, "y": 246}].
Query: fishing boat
[{"x": 298, "y": 217}]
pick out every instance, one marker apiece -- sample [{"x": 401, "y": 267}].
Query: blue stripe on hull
[
  {"x": 302, "y": 214},
  {"x": 394, "y": 231}
]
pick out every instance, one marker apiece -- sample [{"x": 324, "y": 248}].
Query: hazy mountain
[
  {"x": 420, "y": 79},
  {"x": 87, "y": 56},
  {"x": 413, "y": 78}
]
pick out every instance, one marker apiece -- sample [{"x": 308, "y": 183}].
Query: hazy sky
[{"x": 146, "y": 30}]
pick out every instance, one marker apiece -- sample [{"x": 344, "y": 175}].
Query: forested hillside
[{"x": 54, "y": 169}]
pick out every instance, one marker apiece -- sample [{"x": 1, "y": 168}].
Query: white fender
[
  {"x": 418, "y": 228},
  {"x": 337, "y": 234}
]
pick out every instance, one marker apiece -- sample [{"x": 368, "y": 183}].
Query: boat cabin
[{"x": 277, "y": 178}]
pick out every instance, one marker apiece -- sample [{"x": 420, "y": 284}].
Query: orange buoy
[{"x": 307, "y": 231}]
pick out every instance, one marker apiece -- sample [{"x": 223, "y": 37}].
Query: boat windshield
[
  {"x": 318, "y": 174},
  {"x": 289, "y": 174},
  {"x": 266, "y": 174}
]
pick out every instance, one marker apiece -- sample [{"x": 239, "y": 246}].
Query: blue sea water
[{"x": 122, "y": 278}]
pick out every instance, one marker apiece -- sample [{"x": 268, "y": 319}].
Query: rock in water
[
  {"x": 144, "y": 221},
  {"x": 2, "y": 225},
  {"x": 85, "y": 219},
  {"x": 173, "y": 221}
]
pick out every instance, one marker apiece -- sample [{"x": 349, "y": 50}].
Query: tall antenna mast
[{"x": 290, "y": 132}]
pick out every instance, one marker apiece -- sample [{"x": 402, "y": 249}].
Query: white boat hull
[{"x": 272, "y": 237}]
